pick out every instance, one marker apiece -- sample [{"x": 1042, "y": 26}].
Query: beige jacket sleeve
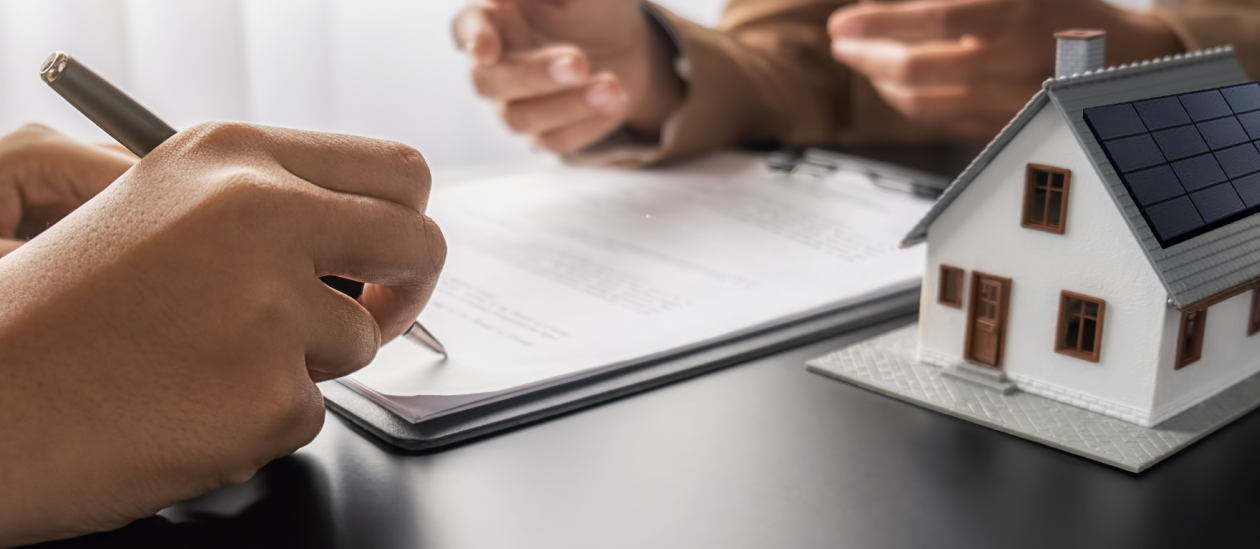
[{"x": 1209, "y": 23}]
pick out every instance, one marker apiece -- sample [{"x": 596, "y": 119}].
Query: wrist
[{"x": 664, "y": 91}]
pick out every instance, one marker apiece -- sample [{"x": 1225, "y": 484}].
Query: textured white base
[
  {"x": 1096, "y": 405},
  {"x": 887, "y": 364}
]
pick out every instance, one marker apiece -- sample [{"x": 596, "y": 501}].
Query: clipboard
[
  {"x": 528, "y": 407},
  {"x": 374, "y": 420}
]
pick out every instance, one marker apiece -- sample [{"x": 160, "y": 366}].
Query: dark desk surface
[{"x": 760, "y": 455}]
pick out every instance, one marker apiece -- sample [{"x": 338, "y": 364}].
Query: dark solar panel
[
  {"x": 1248, "y": 188},
  {"x": 1135, "y": 153},
  {"x": 1239, "y": 161},
  {"x": 1222, "y": 132},
  {"x": 1174, "y": 217},
  {"x": 1155, "y": 185},
  {"x": 1193, "y": 166},
  {"x": 1117, "y": 121},
  {"x": 1243, "y": 98},
  {"x": 1251, "y": 123},
  {"x": 1179, "y": 143},
  {"x": 1198, "y": 172},
  {"x": 1161, "y": 113},
  {"x": 1217, "y": 203},
  {"x": 1205, "y": 105}
]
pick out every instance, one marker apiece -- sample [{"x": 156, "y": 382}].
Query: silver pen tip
[
  {"x": 419, "y": 334},
  {"x": 54, "y": 66}
]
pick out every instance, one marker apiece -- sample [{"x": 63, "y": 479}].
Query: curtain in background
[{"x": 382, "y": 68}]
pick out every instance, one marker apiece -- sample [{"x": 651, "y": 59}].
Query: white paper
[{"x": 563, "y": 272}]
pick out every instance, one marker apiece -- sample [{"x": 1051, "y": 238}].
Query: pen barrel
[{"x": 122, "y": 117}]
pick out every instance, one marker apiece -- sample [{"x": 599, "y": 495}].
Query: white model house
[{"x": 1102, "y": 251}]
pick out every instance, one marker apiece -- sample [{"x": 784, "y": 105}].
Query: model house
[{"x": 1102, "y": 251}]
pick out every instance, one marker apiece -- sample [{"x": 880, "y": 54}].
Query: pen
[{"x": 141, "y": 131}]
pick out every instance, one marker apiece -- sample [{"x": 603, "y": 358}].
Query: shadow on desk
[{"x": 284, "y": 505}]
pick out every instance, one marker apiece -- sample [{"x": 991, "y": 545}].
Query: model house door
[{"x": 986, "y": 326}]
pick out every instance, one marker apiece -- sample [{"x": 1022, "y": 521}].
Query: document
[{"x": 567, "y": 272}]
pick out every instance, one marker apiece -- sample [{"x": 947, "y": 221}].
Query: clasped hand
[{"x": 568, "y": 73}]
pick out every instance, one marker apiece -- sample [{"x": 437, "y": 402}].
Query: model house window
[
  {"x": 951, "y": 289},
  {"x": 1253, "y": 320},
  {"x": 1190, "y": 340},
  {"x": 1080, "y": 326},
  {"x": 1045, "y": 198}
]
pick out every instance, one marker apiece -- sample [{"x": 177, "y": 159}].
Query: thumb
[
  {"x": 515, "y": 29},
  {"x": 475, "y": 33}
]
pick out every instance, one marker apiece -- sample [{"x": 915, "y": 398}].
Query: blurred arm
[{"x": 1209, "y": 23}]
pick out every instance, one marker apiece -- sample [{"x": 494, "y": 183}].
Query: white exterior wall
[
  {"x": 1097, "y": 256},
  {"x": 1229, "y": 356}
]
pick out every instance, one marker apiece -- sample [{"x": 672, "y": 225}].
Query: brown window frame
[
  {"x": 1253, "y": 319},
  {"x": 1191, "y": 354},
  {"x": 959, "y": 285},
  {"x": 1060, "y": 338},
  {"x": 1030, "y": 188}
]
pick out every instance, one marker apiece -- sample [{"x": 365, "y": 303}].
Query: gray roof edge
[
  {"x": 918, "y": 234},
  {"x": 1139, "y": 68}
]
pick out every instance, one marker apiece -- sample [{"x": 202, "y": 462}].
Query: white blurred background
[{"x": 381, "y": 68}]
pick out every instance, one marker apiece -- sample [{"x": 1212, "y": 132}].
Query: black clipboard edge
[{"x": 535, "y": 406}]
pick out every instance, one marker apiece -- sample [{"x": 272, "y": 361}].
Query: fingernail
[
  {"x": 564, "y": 70},
  {"x": 605, "y": 98}
]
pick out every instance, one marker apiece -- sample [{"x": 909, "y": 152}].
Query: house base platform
[{"x": 887, "y": 364}]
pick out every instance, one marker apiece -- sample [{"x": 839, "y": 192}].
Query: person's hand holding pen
[
  {"x": 568, "y": 73},
  {"x": 45, "y": 175},
  {"x": 166, "y": 337},
  {"x": 966, "y": 67}
]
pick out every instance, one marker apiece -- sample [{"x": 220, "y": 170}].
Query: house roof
[
  {"x": 1192, "y": 270},
  {"x": 1187, "y": 160}
]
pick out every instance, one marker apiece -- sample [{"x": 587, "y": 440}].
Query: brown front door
[{"x": 986, "y": 319}]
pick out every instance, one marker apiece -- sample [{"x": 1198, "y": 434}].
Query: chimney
[{"x": 1079, "y": 51}]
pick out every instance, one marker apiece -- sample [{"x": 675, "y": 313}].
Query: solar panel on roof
[
  {"x": 1135, "y": 153},
  {"x": 1216, "y": 203},
  {"x": 1164, "y": 112},
  {"x": 1205, "y": 105},
  {"x": 1222, "y": 132},
  {"x": 1155, "y": 185},
  {"x": 1243, "y": 98},
  {"x": 1239, "y": 161},
  {"x": 1117, "y": 120},
  {"x": 1198, "y": 172},
  {"x": 1179, "y": 143},
  {"x": 1251, "y": 123},
  {"x": 1193, "y": 167},
  {"x": 1248, "y": 188},
  {"x": 1174, "y": 217}
]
